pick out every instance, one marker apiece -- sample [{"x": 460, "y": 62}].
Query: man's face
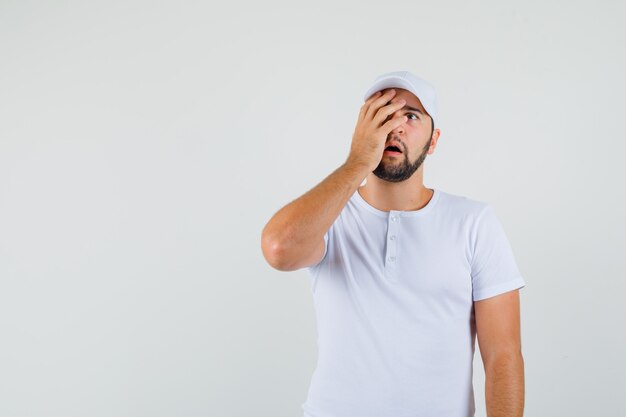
[{"x": 414, "y": 138}]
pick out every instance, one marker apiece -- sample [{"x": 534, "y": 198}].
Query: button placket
[{"x": 391, "y": 259}]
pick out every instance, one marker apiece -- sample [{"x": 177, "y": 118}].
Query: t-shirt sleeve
[{"x": 493, "y": 267}]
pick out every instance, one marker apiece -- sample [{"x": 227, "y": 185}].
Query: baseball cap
[{"x": 421, "y": 88}]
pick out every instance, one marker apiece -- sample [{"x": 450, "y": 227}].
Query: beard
[{"x": 403, "y": 170}]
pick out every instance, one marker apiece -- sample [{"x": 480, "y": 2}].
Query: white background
[{"x": 145, "y": 144}]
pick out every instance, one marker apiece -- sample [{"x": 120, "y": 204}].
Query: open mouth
[{"x": 392, "y": 150}]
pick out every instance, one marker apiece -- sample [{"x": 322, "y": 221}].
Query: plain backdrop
[{"x": 145, "y": 144}]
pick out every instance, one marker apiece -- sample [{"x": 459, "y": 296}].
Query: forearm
[
  {"x": 303, "y": 222},
  {"x": 504, "y": 387}
]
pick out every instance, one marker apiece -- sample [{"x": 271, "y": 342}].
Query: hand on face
[{"x": 372, "y": 128}]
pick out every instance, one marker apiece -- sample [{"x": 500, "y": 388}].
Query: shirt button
[
  {"x": 394, "y": 218},
  {"x": 392, "y": 258},
  {"x": 392, "y": 237}
]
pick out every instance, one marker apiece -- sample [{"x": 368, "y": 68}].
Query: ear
[{"x": 433, "y": 143}]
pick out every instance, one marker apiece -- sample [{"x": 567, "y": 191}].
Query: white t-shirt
[{"x": 393, "y": 300}]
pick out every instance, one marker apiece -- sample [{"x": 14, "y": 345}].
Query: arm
[
  {"x": 294, "y": 236},
  {"x": 498, "y": 331}
]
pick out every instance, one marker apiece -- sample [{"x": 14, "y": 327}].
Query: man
[{"x": 403, "y": 277}]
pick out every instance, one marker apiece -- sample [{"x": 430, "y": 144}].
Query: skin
[
  {"x": 417, "y": 140},
  {"x": 498, "y": 332}
]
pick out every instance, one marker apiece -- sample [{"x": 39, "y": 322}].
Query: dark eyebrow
[{"x": 413, "y": 109}]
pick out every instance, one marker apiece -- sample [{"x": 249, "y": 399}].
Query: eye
[{"x": 411, "y": 114}]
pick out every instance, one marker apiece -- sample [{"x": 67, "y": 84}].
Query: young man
[{"x": 403, "y": 277}]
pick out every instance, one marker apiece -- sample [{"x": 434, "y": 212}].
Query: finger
[
  {"x": 367, "y": 103},
  {"x": 383, "y": 113},
  {"x": 373, "y": 97},
  {"x": 393, "y": 123},
  {"x": 379, "y": 102}
]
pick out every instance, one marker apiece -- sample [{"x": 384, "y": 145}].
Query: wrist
[{"x": 359, "y": 166}]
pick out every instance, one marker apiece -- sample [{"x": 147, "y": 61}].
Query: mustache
[{"x": 396, "y": 139}]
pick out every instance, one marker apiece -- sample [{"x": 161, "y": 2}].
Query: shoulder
[{"x": 462, "y": 206}]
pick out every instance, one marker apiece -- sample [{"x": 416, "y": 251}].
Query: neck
[{"x": 409, "y": 195}]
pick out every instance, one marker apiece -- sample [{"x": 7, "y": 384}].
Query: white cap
[{"x": 421, "y": 88}]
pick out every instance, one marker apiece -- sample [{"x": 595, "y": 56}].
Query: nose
[{"x": 399, "y": 129}]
